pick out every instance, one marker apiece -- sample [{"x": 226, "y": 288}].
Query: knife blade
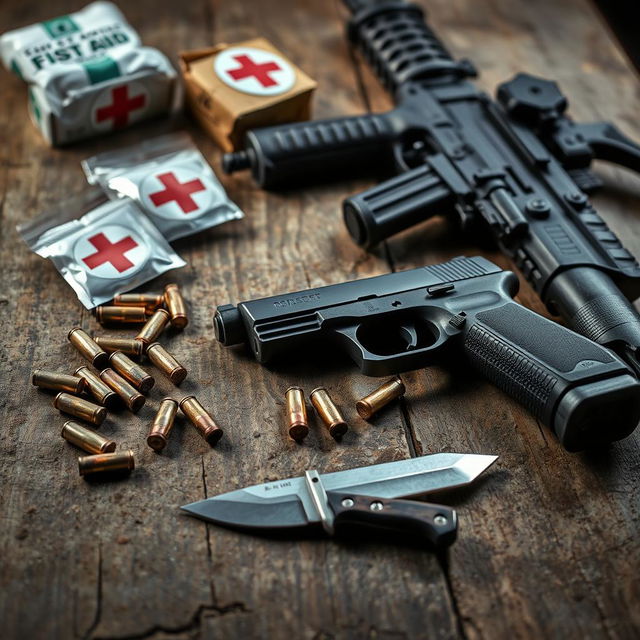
[{"x": 288, "y": 503}]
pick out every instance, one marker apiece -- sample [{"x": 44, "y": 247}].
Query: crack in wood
[
  {"x": 98, "y": 614},
  {"x": 443, "y": 561},
  {"x": 193, "y": 625}
]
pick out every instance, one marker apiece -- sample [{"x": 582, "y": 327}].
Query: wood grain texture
[{"x": 548, "y": 544}]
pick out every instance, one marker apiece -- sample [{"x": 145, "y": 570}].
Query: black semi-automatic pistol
[
  {"x": 515, "y": 169},
  {"x": 411, "y": 319}
]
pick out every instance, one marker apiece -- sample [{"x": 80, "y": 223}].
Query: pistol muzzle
[
  {"x": 235, "y": 161},
  {"x": 228, "y": 325}
]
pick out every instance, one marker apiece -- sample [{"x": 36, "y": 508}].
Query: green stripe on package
[{"x": 102, "y": 69}]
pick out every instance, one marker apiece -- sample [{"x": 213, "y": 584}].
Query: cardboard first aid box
[{"x": 233, "y": 88}]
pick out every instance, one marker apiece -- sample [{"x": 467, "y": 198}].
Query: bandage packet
[
  {"x": 109, "y": 248},
  {"x": 170, "y": 180},
  {"x": 88, "y": 74}
]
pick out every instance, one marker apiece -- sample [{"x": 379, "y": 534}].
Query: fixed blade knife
[{"x": 365, "y": 496}]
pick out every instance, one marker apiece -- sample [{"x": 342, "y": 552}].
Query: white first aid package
[
  {"x": 169, "y": 179},
  {"x": 88, "y": 74},
  {"x": 100, "y": 247}
]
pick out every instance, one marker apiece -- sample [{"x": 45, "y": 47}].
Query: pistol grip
[{"x": 571, "y": 384}]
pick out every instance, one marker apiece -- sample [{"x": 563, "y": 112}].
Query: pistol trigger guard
[{"x": 357, "y": 352}]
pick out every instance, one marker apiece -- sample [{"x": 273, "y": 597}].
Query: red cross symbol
[
  {"x": 180, "y": 192},
  {"x": 110, "y": 252},
  {"x": 119, "y": 109},
  {"x": 249, "y": 69}
]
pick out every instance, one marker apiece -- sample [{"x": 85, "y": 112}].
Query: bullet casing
[
  {"x": 121, "y": 315},
  {"x": 87, "y": 346},
  {"x": 131, "y": 397},
  {"x": 87, "y": 439},
  {"x": 201, "y": 420},
  {"x": 58, "y": 381},
  {"x": 80, "y": 408},
  {"x": 154, "y": 326},
  {"x": 297, "y": 421},
  {"x": 176, "y": 306},
  {"x": 97, "y": 388},
  {"x": 328, "y": 412},
  {"x": 162, "y": 359},
  {"x": 106, "y": 462},
  {"x": 150, "y": 301},
  {"x": 380, "y": 397},
  {"x": 162, "y": 424},
  {"x": 131, "y": 372},
  {"x": 130, "y": 346}
]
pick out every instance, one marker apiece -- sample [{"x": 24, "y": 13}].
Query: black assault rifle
[{"x": 518, "y": 167}]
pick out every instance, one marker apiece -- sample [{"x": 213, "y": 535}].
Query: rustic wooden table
[{"x": 548, "y": 543}]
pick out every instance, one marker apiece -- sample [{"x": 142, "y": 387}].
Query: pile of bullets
[
  {"x": 297, "y": 420},
  {"x": 117, "y": 380}
]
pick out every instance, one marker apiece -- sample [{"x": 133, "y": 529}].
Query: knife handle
[{"x": 437, "y": 523}]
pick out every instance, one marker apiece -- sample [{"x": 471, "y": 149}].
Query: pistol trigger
[{"x": 410, "y": 335}]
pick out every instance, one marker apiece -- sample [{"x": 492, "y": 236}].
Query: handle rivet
[
  {"x": 376, "y": 506},
  {"x": 347, "y": 502},
  {"x": 440, "y": 520}
]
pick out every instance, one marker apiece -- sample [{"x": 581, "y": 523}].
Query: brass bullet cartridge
[
  {"x": 297, "y": 422},
  {"x": 58, "y": 381},
  {"x": 121, "y": 315},
  {"x": 131, "y": 372},
  {"x": 380, "y": 397},
  {"x": 98, "y": 389},
  {"x": 86, "y": 438},
  {"x": 105, "y": 462},
  {"x": 80, "y": 408},
  {"x": 127, "y": 345},
  {"x": 328, "y": 412},
  {"x": 153, "y": 328},
  {"x": 131, "y": 397},
  {"x": 166, "y": 363},
  {"x": 87, "y": 346},
  {"x": 176, "y": 306},
  {"x": 150, "y": 301},
  {"x": 201, "y": 420},
  {"x": 162, "y": 424}
]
